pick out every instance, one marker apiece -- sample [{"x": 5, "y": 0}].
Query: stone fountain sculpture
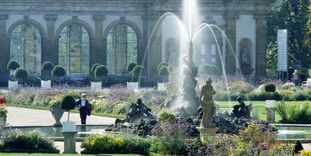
[{"x": 207, "y": 105}]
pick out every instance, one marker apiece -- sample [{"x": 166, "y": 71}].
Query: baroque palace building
[{"x": 79, "y": 33}]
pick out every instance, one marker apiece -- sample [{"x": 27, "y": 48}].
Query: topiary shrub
[
  {"x": 136, "y": 72},
  {"x": 269, "y": 87},
  {"x": 206, "y": 69},
  {"x": 27, "y": 142},
  {"x": 101, "y": 72},
  {"x": 164, "y": 73},
  {"x": 131, "y": 66},
  {"x": 160, "y": 65},
  {"x": 11, "y": 66},
  {"x": 298, "y": 147},
  {"x": 94, "y": 67},
  {"x": 68, "y": 103},
  {"x": 46, "y": 70},
  {"x": 58, "y": 72},
  {"x": 21, "y": 75}
]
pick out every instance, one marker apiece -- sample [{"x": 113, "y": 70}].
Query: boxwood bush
[
  {"x": 96, "y": 144},
  {"x": 30, "y": 142}
]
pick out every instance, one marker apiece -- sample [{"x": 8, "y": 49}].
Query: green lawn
[{"x": 259, "y": 108}]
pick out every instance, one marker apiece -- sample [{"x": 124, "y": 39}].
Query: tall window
[
  {"x": 121, "y": 48},
  {"x": 74, "y": 49},
  {"x": 25, "y": 48}
]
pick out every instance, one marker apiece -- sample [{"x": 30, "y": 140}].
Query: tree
[
  {"x": 293, "y": 16},
  {"x": 131, "y": 66}
]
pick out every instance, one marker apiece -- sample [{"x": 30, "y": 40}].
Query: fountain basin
[
  {"x": 56, "y": 132},
  {"x": 293, "y": 131}
]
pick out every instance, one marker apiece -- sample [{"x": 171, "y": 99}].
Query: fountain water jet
[{"x": 186, "y": 101}]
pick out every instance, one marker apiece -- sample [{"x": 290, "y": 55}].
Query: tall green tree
[{"x": 293, "y": 16}]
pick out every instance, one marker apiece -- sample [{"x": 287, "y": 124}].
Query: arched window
[
  {"x": 25, "y": 47},
  {"x": 74, "y": 49},
  {"x": 121, "y": 48}
]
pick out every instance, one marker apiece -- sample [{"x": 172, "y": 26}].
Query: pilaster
[
  {"x": 261, "y": 34},
  {"x": 4, "y": 51},
  {"x": 49, "y": 50},
  {"x": 99, "y": 54},
  {"x": 230, "y": 28}
]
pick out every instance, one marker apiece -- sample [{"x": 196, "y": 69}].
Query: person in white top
[{"x": 83, "y": 105}]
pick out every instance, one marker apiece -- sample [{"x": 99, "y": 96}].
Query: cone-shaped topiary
[
  {"x": 101, "y": 72},
  {"x": 46, "y": 70},
  {"x": 136, "y": 72},
  {"x": 58, "y": 72},
  {"x": 68, "y": 103},
  {"x": 12, "y": 65},
  {"x": 131, "y": 66},
  {"x": 298, "y": 146},
  {"x": 21, "y": 74}
]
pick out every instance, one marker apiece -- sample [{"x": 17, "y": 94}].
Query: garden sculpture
[
  {"x": 241, "y": 110},
  {"x": 207, "y": 104}
]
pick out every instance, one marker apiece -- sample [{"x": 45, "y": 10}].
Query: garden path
[{"x": 33, "y": 117}]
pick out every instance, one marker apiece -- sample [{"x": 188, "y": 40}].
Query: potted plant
[
  {"x": 21, "y": 75},
  {"x": 56, "y": 110},
  {"x": 46, "y": 70},
  {"x": 12, "y": 66},
  {"x": 68, "y": 103},
  {"x": 101, "y": 73},
  {"x": 3, "y": 116},
  {"x": 58, "y": 73},
  {"x": 136, "y": 72},
  {"x": 272, "y": 96}
]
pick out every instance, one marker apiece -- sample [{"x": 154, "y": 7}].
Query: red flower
[{"x": 2, "y": 101}]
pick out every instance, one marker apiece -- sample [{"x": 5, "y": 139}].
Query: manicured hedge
[
  {"x": 30, "y": 142},
  {"x": 101, "y": 144}
]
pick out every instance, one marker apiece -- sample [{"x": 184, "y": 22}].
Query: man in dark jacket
[{"x": 83, "y": 104}]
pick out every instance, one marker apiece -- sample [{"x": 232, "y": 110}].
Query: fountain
[{"x": 185, "y": 101}]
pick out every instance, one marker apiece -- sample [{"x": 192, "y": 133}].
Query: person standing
[{"x": 83, "y": 105}]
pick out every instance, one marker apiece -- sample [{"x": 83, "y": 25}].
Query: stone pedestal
[
  {"x": 70, "y": 142},
  {"x": 270, "y": 107},
  {"x": 205, "y": 132}
]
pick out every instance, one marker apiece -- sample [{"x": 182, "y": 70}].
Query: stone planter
[
  {"x": 132, "y": 86},
  {"x": 270, "y": 108},
  {"x": 46, "y": 84},
  {"x": 57, "y": 113},
  {"x": 161, "y": 86},
  {"x": 13, "y": 84},
  {"x": 96, "y": 86},
  {"x": 270, "y": 103}
]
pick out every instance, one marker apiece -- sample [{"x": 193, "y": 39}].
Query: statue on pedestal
[{"x": 207, "y": 105}]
